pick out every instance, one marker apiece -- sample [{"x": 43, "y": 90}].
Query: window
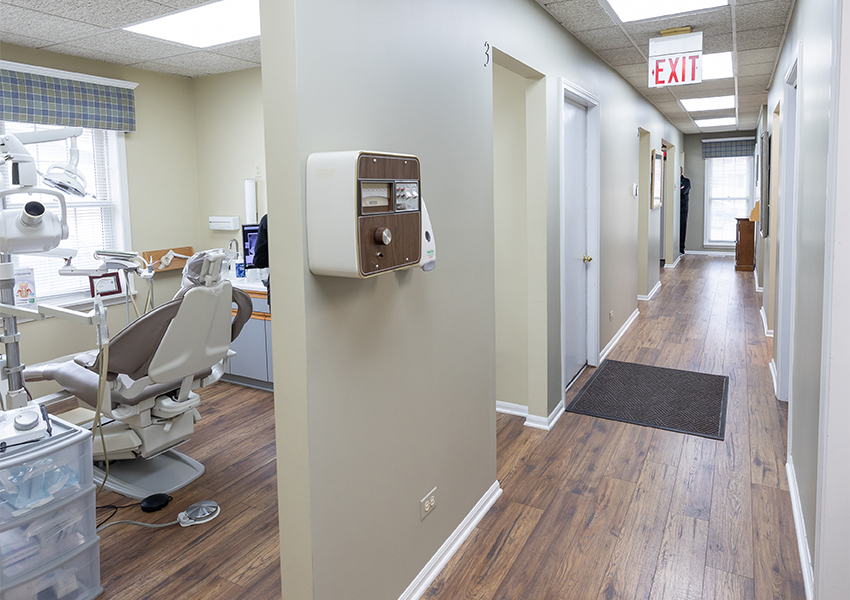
[
  {"x": 95, "y": 222},
  {"x": 728, "y": 183}
]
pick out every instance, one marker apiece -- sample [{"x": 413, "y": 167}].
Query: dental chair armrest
[{"x": 86, "y": 359}]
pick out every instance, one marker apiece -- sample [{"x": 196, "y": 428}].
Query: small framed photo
[{"x": 105, "y": 285}]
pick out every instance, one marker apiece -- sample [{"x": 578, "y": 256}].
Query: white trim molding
[
  {"x": 509, "y": 408},
  {"x": 610, "y": 346},
  {"x": 767, "y": 332},
  {"x": 800, "y": 527},
  {"x": 675, "y": 262},
  {"x": 428, "y": 574},
  {"x": 774, "y": 376},
  {"x": 651, "y": 293},
  {"x": 546, "y": 423},
  {"x": 36, "y": 70}
]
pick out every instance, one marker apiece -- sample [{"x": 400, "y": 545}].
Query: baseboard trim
[
  {"x": 767, "y": 332},
  {"x": 651, "y": 293},
  {"x": 711, "y": 252},
  {"x": 509, "y": 408},
  {"x": 610, "y": 346},
  {"x": 759, "y": 289},
  {"x": 800, "y": 527},
  {"x": 428, "y": 574},
  {"x": 775, "y": 377},
  {"x": 675, "y": 262},
  {"x": 546, "y": 423}
]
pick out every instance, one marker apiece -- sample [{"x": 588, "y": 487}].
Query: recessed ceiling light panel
[
  {"x": 638, "y": 10},
  {"x": 717, "y": 66},
  {"x": 703, "y": 104},
  {"x": 208, "y": 25},
  {"x": 724, "y": 122}
]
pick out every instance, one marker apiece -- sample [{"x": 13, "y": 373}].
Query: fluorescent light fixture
[
  {"x": 702, "y": 104},
  {"x": 724, "y": 122},
  {"x": 637, "y": 10},
  {"x": 717, "y": 66},
  {"x": 207, "y": 25}
]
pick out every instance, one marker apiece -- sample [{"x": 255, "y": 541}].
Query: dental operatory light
[
  {"x": 66, "y": 177},
  {"x": 717, "y": 66},
  {"x": 638, "y": 10},
  {"x": 722, "y": 122},
  {"x": 205, "y": 26},
  {"x": 704, "y": 104}
]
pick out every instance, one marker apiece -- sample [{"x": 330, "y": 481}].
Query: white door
[{"x": 574, "y": 241}]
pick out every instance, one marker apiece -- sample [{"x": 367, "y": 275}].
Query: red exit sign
[{"x": 675, "y": 69}]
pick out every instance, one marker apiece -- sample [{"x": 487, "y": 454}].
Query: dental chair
[{"x": 153, "y": 367}]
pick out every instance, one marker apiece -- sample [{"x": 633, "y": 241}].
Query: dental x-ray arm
[{"x": 24, "y": 172}]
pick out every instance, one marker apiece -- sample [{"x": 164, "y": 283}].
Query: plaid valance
[
  {"x": 43, "y": 99},
  {"x": 728, "y": 148}
]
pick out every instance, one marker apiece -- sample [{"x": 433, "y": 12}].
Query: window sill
[{"x": 719, "y": 245}]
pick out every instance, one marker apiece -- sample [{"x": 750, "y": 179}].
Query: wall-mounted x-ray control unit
[{"x": 365, "y": 214}]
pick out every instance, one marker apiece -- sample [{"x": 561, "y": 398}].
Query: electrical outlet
[
  {"x": 427, "y": 504},
  {"x": 611, "y": 316}
]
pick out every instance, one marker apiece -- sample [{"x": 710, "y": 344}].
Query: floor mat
[{"x": 683, "y": 401}]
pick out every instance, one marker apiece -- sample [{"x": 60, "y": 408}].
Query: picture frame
[
  {"x": 656, "y": 180},
  {"x": 98, "y": 285}
]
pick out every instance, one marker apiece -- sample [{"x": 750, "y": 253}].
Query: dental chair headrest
[{"x": 204, "y": 269}]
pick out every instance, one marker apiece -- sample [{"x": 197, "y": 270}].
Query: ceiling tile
[
  {"x": 753, "y": 39},
  {"x": 97, "y": 12},
  {"x": 579, "y": 15},
  {"x": 605, "y": 38},
  {"x": 756, "y": 69},
  {"x": 750, "y": 81},
  {"x": 21, "y": 21},
  {"x": 706, "y": 89},
  {"x": 713, "y": 21},
  {"x": 126, "y": 43},
  {"x": 637, "y": 70},
  {"x": 22, "y": 40},
  {"x": 205, "y": 63},
  {"x": 184, "y": 3},
  {"x": 717, "y": 43},
  {"x": 621, "y": 56},
  {"x": 92, "y": 54},
  {"x": 170, "y": 69},
  {"x": 751, "y": 57},
  {"x": 712, "y": 114},
  {"x": 245, "y": 50},
  {"x": 758, "y": 15}
]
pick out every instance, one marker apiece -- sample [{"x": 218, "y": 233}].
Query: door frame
[
  {"x": 576, "y": 94},
  {"x": 786, "y": 299}
]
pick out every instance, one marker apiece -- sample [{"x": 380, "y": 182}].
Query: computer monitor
[{"x": 249, "y": 243}]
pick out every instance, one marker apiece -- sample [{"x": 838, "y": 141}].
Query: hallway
[{"x": 608, "y": 510}]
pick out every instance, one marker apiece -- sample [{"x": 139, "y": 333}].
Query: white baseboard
[
  {"x": 775, "y": 377},
  {"x": 427, "y": 575},
  {"x": 546, "y": 423},
  {"x": 767, "y": 332},
  {"x": 610, "y": 346},
  {"x": 759, "y": 289},
  {"x": 800, "y": 527},
  {"x": 651, "y": 293},
  {"x": 723, "y": 253},
  {"x": 509, "y": 408},
  {"x": 675, "y": 262}
]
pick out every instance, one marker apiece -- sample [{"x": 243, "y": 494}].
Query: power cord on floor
[
  {"x": 137, "y": 523},
  {"x": 115, "y": 509}
]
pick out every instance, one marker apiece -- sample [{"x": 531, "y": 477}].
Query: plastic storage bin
[
  {"x": 34, "y": 475},
  {"x": 43, "y": 535},
  {"x": 74, "y": 577}
]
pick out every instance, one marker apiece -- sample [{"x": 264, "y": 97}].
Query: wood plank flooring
[
  {"x": 597, "y": 509},
  {"x": 234, "y": 557}
]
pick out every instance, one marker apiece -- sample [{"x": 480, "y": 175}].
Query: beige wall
[
  {"x": 511, "y": 241},
  {"x": 228, "y": 111}
]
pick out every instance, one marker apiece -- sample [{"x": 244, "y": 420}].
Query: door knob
[{"x": 587, "y": 258}]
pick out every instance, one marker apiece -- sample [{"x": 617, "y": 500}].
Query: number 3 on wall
[{"x": 487, "y": 53}]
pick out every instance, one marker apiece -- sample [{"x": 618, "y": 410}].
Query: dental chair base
[{"x": 140, "y": 477}]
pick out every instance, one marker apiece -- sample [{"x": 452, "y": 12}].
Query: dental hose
[{"x": 96, "y": 424}]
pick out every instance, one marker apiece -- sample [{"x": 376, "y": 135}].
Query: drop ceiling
[{"x": 753, "y": 30}]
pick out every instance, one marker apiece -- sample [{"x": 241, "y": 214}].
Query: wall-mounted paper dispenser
[{"x": 365, "y": 214}]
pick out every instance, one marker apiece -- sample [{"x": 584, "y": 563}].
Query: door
[{"x": 574, "y": 241}]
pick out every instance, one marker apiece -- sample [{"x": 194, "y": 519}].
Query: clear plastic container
[
  {"x": 76, "y": 577},
  {"x": 46, "y": 534},
  {"x": 34, "y": 475}
]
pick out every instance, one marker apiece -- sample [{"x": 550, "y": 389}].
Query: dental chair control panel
[{"x": 365, "y": 214}]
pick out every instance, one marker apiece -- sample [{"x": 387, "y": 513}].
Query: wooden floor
[
  {"x": 234, "y": 557},
  {"x": 598, "y": 509}
]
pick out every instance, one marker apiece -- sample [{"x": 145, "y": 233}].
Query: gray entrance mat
[{"x": 682, "y": 401}]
